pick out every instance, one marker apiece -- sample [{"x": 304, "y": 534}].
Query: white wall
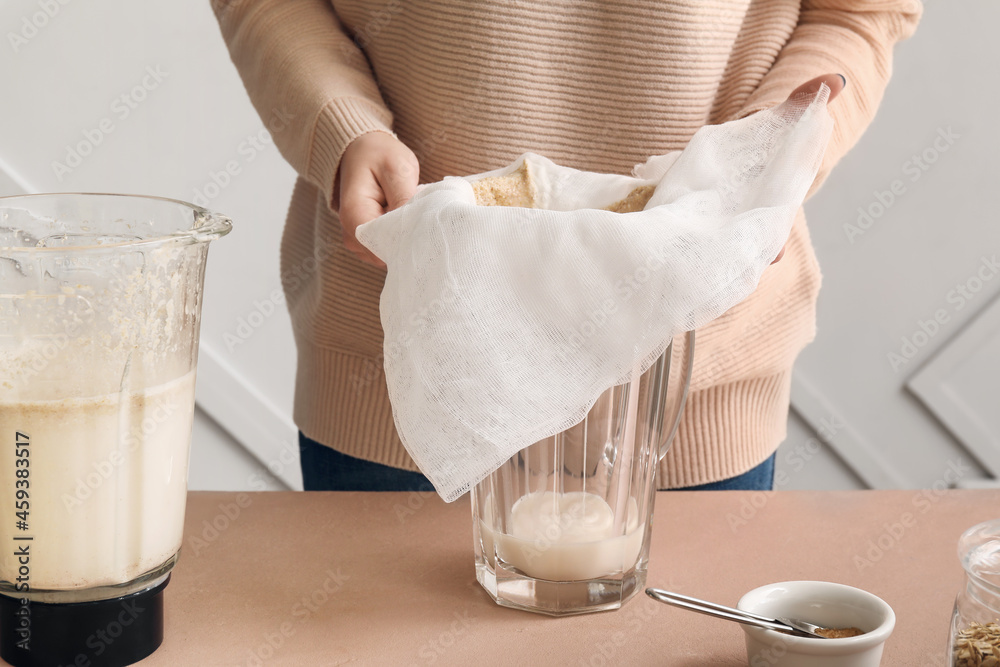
[
  {"x": 895, "y": 427},
  {"x": 882, "y": 282},
  {"x": 190, "y": 120}
]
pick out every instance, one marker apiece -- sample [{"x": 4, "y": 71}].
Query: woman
[{"x": 389, "y": 94}]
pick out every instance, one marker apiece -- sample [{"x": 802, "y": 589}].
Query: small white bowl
[{"x": 822, "y": 603}]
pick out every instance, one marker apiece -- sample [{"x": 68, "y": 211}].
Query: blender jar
[
  {"x": 563, "y": 527},
  {"x": 975, "y": 622},
  {"x": 100, "y": 307}
]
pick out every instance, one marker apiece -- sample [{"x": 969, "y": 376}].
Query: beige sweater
[{"x": 469, "y": 85}]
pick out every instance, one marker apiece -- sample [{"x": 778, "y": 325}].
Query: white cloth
[{"x": 503, "y": 325}]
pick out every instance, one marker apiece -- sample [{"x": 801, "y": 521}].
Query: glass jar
[{"x": 975, "y": 622}]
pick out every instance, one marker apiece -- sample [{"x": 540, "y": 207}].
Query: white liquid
[
  {"x": 107, "y": 485},
  {"x": 564, "y": 537}
]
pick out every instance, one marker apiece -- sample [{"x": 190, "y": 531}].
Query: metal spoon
[
  {"x": 785, "y": 625},
  {"x": 813, "y": 630}
]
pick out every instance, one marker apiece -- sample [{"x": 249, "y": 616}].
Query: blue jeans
[
  {"x": 760, "y": 478},
  {"x": 325, "y": 469}
]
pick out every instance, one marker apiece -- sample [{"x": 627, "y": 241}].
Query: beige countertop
[{"x": 388, "y": 578}]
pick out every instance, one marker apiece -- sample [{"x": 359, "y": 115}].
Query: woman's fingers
[
  {"x": 398, "y": 178},
  {"x": 377, "y": 174},
  {"x": 835, "y": 82},
  {"x": 361, "y": 200}
]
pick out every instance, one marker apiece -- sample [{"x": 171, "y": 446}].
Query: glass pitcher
[
  {"x": 975, "y": 622},
  {"x": 100, "y": 308},
  {"x": 563, "y": 527}
]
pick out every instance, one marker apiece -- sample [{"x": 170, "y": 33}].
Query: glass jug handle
[{"x": 674, "y": 384}]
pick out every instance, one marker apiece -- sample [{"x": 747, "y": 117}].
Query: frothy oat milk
[{"x": 107, "y": 484}]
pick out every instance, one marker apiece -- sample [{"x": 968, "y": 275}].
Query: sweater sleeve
[
  {"x": 850, "y": 37},
  {"x": 299, "y": 65}
]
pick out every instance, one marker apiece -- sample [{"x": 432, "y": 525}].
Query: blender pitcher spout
[{"x": 209, "y": 226}]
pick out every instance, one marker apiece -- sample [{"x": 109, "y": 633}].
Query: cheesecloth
[{"x": 514, "y": 298}]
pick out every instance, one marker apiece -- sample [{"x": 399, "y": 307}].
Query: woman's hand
[
  {"x": 378, "y": 173},
  {"x": 836, "y": 83}
]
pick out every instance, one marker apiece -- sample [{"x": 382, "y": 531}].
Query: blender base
[{"x": 103, "y": 633}]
